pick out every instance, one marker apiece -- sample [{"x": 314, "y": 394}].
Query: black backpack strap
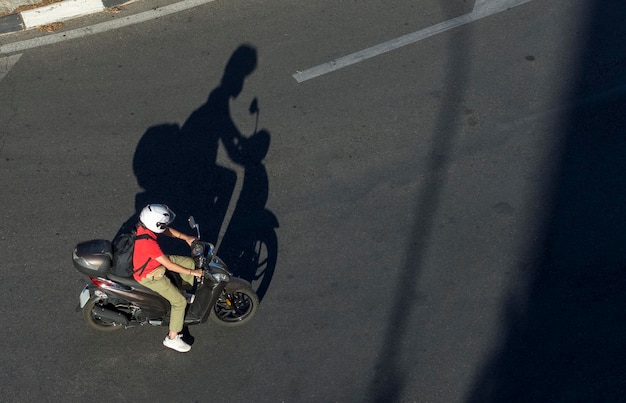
[{"x": 143, "y": 267}]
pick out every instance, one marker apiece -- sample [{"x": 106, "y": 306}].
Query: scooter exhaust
[{"x": 110, "y": 314}]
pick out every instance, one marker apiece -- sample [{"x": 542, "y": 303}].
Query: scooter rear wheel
[
  {"x": 235, "y": 308},
  {"x": 97, "y": 322}
]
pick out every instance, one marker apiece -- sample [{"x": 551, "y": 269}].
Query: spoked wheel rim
[{"x": 233, "y": 307}]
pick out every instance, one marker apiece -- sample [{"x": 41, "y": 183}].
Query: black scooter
[{"x": 111, "y": 302}]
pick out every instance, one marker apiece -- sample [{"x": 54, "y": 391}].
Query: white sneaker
[{"x": 177, "y": 344}]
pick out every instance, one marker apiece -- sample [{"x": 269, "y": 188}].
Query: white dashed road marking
[{"x": 482, "y": 8}]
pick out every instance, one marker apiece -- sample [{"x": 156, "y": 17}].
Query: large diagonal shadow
[
  {"x": 565, "y": 330},
  {"x": 388, "y": 380}
]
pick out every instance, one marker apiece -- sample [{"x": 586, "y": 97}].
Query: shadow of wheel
[{"x": 263, "y": 261}]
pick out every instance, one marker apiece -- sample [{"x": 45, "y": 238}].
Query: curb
[{"x": 55, "y": 12}]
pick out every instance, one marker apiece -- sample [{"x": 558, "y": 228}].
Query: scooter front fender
[
  {"x": 236, "y": 283},
  {"x": 204, "y": 302}
]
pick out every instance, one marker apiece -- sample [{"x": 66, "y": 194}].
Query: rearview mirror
[{"x": 193, "y": 224}]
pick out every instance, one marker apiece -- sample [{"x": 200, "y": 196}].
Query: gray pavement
[{"x": 448, "y": 212}]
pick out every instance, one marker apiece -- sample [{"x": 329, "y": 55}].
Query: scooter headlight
[
  {"x": 219, "y": 277},
  {"x": 197, "y": 249}
]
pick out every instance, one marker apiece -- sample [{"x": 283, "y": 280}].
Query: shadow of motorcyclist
[
  {"x": 203, "y": 131},
  {"x": 157, "y": 179},
  {"x": 178, "y": 165},
  {"x": 250, "y": 245}
]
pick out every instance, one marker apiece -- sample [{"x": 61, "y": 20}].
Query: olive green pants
[{"x": 157, "y": 281}]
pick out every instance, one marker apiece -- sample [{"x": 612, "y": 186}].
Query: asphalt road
[{"x": 449, "y": 212}]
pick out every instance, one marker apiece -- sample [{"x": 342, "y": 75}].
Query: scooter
[{"x": 111, "y": 302}]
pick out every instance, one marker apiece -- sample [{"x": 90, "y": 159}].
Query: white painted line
[
  {"x": 60, "y": 11},
  {"x": 482, "y": 8},
  {"x": 485, "y": 8},
  {"x": 102, "y": 27},
  {"x": 377, "y": 50},
  {"x": 6, "y": 63}
]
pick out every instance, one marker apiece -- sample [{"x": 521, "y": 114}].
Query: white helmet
[{"x": 156, "y": 217}]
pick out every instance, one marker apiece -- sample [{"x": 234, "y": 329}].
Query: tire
[
  {"x": 235, "y": 308},
  {"x": 97, "y": 323}
]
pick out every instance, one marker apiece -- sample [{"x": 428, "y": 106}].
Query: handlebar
[{"x": 203, "y": 253}]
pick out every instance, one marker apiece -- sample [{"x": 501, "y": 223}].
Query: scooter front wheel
[
  {"x": 235, "y": 308},
  {"x": 96, "y": 321}
]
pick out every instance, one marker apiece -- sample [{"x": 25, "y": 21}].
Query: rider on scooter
[{"x": 155, "y": 219}]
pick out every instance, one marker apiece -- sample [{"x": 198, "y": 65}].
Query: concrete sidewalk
[
  {"x": 13, "y": 6},
  {"x": 28, "y": 14}
]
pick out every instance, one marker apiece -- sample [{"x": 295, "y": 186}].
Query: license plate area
[{"x": 84, "y": 297}]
